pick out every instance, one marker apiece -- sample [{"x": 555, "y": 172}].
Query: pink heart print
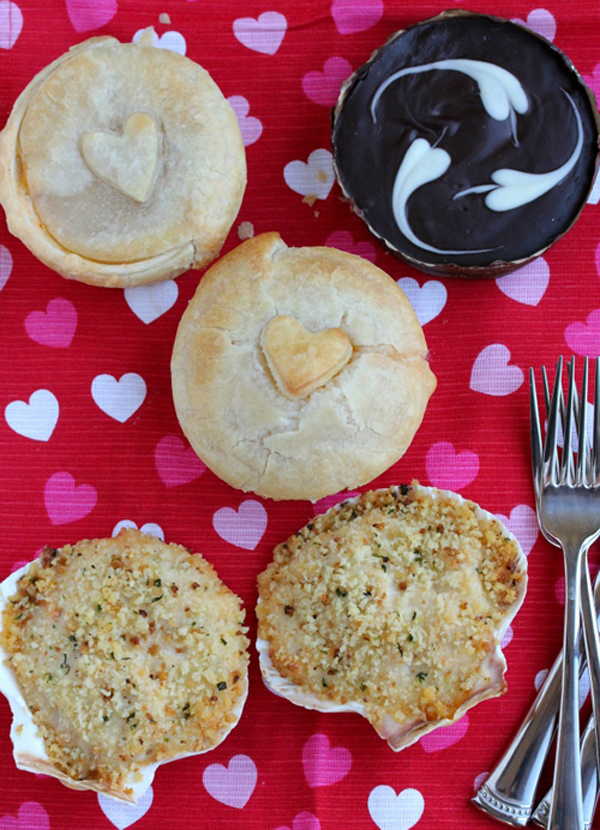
[
  {"x": 55, "y": 326},
  {"x": 448, "y": 469},
  {"x": 250, "y": 127},
  {"x": 493, "y": 374},
  {"x": 6, "y": 264},
  {"x": 264, "y": 34},
  {"x": 86, "y": 15},
  {"x": 323, "y": 505},
  {"x": 345, "y": 242},
  {"x": 304, "y": 821},
  {"x": 542, "y": 22},
  {"x": 593, "y": 81},
  {"x": 584, "y": 338},
  {"x": 351, "y": 16},
  {"x": 324, "y": 765},
  {"x": 446, "y": 736},
  {"x": 528, "y": 284},
  {"x": 324, "y": 87},
  {"x": 177, "y": 464},
  {"x": 67, "y": 502},
  {"x": 30, "y": 816}
]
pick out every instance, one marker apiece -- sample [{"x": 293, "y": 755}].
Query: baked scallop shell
[
  {"x": 490, "y": 674},
  {"x": 29, "y": 751}
]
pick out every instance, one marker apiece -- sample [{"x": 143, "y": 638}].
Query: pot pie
[
  {"x": 392, "y": 605},
  {"x": 298, "y": 372},
  {"x": 119, "y": 655},
  {"x": 135, "y": 175}
]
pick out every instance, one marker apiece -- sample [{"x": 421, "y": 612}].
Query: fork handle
[
  {"x": 592, "y": 646},
  {"x": 566, "y": 810}
]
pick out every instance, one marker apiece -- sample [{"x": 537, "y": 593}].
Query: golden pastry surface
[
  {"x": 122, "y": 163},
  {"x": 298, "y": 372},
  {"x": 128, "y": 651},
  {"x": 392, "y": 601}
]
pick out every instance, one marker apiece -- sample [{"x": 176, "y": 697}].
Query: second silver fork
[{"x": 568, "y": 507}]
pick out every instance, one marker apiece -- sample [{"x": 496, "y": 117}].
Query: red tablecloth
[{"x": 90, "y": 456}]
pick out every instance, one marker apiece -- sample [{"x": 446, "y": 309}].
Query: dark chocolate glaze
[{"x": 445, "y": 108}]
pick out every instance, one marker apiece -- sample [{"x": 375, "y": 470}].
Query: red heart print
[
  {"x": 177, "y": 464},
  {"x": 55, "y": 326},
  {"x": 67, "y": 502}
]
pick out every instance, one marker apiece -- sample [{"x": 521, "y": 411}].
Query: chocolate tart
[{"x": 467, "y": 143}]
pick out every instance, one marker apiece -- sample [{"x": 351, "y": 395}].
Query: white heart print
[
  {"x": 264, "y": 34},
  {"x": 119, "y": 399},
  {"x": 395, "y": 812},
  {"x": 492, "y": 374},
  {"x": 528, "y": 284},
  {"x": 313, "y": 178},
  {"x": 11, "y": 23},
  {"x": 123, "y": 815},
  {"x": 427, "y": 300},
  {"x": 150, "y": 528},
  {"x": 149, "y": 302},
  {"x": 6, "y": 264},
  {"x": 173, "y": 41},
  {"x": 234, "y": 784},
  {"x": 244, "y": 527},
  {"x": 36, "y": 419},
  {"x": 523, "y": 523}
]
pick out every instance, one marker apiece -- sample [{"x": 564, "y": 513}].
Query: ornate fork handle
[{"x": 509, "y": 792}]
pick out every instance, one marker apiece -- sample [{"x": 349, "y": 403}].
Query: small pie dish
[
  {"x": 122, "y": 164},
  {"x": 392, "y": 605},
  {"x": 299, "y": 372},
  {"x": 467, "y": 143},
  {"x": 116, "y": 656}
]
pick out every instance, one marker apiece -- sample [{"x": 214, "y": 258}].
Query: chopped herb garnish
[
  {"x": 48, "y": 677},
  {"x": 341, "y": 593},
  {"x": 156, "y": 599},
  {"x": 363, "y": 687},
  {"x": 400, "y": 649},
  {"x": 20, "y": 615},
  {"x": 64, "y": 665},
  {"x": 410, "y": 638},
  {"x": 157, "y": 583},
  {"x": 223, "y": 641},
  {"x": 187, "y": 711},
  {"x": 73, "y": 639},
  {"x": 323, "y": 681},
  {"x": 98, "y": 607},
  {"x": 421, "y": 676},
  {"x": 130, "y": 716},
  {"x": 288, "y": 611},
  {"x": 414, "y": 616},
  {"x": 105, "y": 718},
  {"x": 222, "y": 686}
]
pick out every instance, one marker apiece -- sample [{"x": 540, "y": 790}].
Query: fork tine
[
  {"x": 583, "y": 450},
  {"x": 567, "y": 466},
  {"x": 550, "y": 444},
  {"x": 536, "y": 432}
]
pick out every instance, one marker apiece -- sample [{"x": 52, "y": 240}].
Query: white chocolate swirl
[{"x": 502, "y": 96}]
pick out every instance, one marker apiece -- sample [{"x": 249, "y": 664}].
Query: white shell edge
[
  {"x": 28, "y": 748},
  {"x": 397, "y": 736}
]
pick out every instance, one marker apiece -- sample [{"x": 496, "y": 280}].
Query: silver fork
[
  {"x": 568, "y": 508},
  {"x": 509, "y": 792}
]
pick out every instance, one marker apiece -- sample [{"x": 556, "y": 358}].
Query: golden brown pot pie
[
  {"x": 122, "y": 164},
  {"x": 116, "y": 656},
  {"x": 298, "y": 372}
]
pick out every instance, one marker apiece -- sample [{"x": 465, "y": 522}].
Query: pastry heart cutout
[
  {"x": 302, "y": 361},
  {"x": 127, "y": 161}
]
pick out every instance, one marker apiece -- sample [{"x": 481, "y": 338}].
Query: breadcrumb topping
[
  {"x": 394, "y": 601},
  {"x": 128, "y": 651}
]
